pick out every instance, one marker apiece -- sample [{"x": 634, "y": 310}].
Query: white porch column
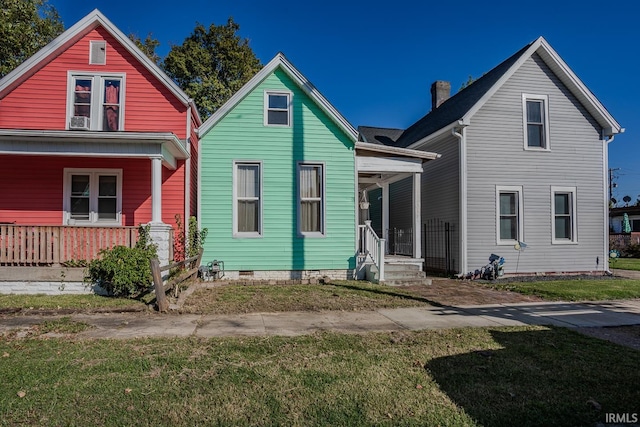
[
  {"x": 156, "y": 190},
  {"x": 385, "y": 212},
  {"x": 417, "y": 217},
  {"x": 159, "y": 232}
]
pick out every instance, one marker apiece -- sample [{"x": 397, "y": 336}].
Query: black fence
[{"x": 438, "y": 237}]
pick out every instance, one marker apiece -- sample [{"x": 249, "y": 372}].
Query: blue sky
[{"x": 375, "y": 61}]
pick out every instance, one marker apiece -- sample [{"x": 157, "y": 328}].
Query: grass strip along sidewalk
[{"x": 483, "y": 376}]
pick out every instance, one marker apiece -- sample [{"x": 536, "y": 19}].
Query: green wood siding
[{"x": 313, "y": 137}]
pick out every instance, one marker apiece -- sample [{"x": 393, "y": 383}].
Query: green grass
[
  {"x": 339, "y": 295},
  {"x": 574, "y": 289},
  {"x": 65, "y": 302},
  {"x": 625, "y": 264},
  {"x": 485, "y": 376}
]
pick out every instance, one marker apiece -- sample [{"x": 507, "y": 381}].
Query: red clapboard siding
[
  {"x": 32, "y": 188},
  {"x": 40, "y": 102},
  {"x": 194, "y": 169}
]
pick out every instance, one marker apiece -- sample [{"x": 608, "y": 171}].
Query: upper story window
[
  {"x": 536, "y": 121},
  {"x": 96, "y": 102},
  {"x": 247, "y": 207},
  {"x": 509, "y": 214},
  {"x": 563, "y": 205},
  {"x": 277, "y": 109}
]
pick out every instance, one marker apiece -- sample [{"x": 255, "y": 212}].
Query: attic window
[
  {"x": 98, "y": 52},
  {"x": 277, "y": 109}
]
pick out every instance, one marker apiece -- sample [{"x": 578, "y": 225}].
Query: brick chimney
[{"x": 440, "y": 92}]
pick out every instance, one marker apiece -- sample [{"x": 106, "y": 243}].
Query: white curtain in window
[
  {"x": 310, "y": 198},
  {"x": 248, "y": 195}
]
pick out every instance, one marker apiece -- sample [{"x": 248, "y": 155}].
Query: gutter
[{"x": 605, "y": 165}]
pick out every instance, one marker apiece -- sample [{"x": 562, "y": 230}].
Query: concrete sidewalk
[{"x": 137, "y": 325}]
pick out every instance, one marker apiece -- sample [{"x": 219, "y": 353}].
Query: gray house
[{"x": 523, "y": 172}]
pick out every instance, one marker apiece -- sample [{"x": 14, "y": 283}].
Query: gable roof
[
  {"x": 93, "y": 20},
  {"x": 279, "y": 61},
  {"x": 381, "y": 136},
  {"x": 461, "y": 107}
]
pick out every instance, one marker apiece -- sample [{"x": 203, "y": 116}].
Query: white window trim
[
  {"x": 510, "y": 189},
  {"x": 574, "y": 219},
  {"x": 93, "y": 201},
  {"x": 545, "y": 101},
  {"x": 96, "y": 101},
  {"x": 323, "y": 211},
  {"x": 245, "y": 234},
  {"x": 289, "y": 96},
  {"x": 92, "y": 43}
]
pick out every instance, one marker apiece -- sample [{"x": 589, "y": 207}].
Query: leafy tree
[
  {"x": 148, "y": 46},
  {"x": 25, "y": 27},
  {"x": 468, "y": 83},
  {"x": 212, "y": 64}
]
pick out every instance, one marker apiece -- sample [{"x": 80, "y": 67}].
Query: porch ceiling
[{"x": 165, "y": 145}]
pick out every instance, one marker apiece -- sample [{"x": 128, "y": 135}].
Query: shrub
[
  {"x": 187, "y": 246},
  {"x": 123, "y": 271}
]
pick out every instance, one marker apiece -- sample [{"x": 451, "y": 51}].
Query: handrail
[{"x": 372, "y": 246}]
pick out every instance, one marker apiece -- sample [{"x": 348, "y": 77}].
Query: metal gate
[
  {"x": 437, "y": 238},
  {"x": 400, "y": 241}
]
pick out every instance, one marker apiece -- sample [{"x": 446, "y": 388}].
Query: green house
[{"x": 279, "y": 171}]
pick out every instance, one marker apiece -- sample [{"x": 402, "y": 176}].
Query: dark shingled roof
[
  {"x": 457, "y": 106},
  {"x": 381, "y": 136}
]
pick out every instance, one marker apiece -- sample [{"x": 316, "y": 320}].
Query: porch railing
[
  {"x": 400, "y": 241},
  {"x": 38, "y": 245},
  {"x": 370, "y": 245}
]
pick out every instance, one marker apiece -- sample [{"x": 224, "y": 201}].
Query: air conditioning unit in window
[{"x": 80, "y": 123}]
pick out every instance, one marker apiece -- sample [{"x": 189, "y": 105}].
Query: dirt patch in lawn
[{"x": 465, "y": 292}]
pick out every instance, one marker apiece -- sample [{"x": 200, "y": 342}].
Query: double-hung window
[
  {"x": 563, "y": 206},
  {"x": 311, "y": 199},
  {"x": 247, "y": 199},
  {"x": 536, "y": 121},
  {"x": 96, "y": 101},
  {"x": 277, "y": 111},
  {"x": 509, "y": 214},
  {"x": 92, "y": 197}
]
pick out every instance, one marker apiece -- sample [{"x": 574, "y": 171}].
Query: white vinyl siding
[
  {"x": 311, "y": 199},
  {"x": 247, "y": 199},
  {"x": 495, "y": 156},
  {"x": 277, "y": 108},
  {"x": 563, "y": 217},
  {"x": 92, "y": 197}
]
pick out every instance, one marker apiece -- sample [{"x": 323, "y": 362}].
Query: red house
[{"x": 94, "y": 140}]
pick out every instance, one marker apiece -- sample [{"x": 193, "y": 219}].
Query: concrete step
[
  {"x": 404, "y": 274},
  {"x": 400, "y": 267}
]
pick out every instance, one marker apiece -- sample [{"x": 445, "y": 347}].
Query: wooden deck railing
[{"x": 40, "y": 245}]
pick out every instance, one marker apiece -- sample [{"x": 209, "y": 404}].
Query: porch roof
[{"x": 164, "y": 145}]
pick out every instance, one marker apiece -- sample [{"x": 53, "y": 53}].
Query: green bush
[
  {"x": 633, "y": 250},
  {"x": 123, "y": 271}
]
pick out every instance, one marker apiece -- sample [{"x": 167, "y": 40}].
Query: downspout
[
  {"x": 461, "y": 135},
  {"x": 605, "y": 178}
]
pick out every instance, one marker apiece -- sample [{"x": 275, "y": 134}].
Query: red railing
[{"x": 37, "y": 244}]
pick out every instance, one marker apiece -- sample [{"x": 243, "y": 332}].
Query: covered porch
[
  {"x": 378, "y": 167},
  {"x": 69, "y": 194}
]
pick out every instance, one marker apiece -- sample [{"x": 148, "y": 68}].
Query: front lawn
[
  {"x": 573, "y": 289},
  {"x": 625, "y": 264},
  {"x": 521, "y": 376},
  {"x": 338, "y": 295}
]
